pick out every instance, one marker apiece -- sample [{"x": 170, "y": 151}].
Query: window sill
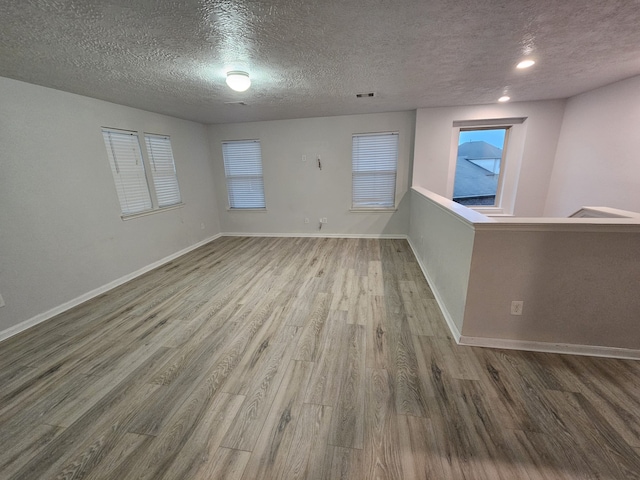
[
  {"x": 487, "y": 210},
  {"x": 373, "y": 210},
  {"x": 229, "y": 209},
  {"x": 151, "y": 212}
]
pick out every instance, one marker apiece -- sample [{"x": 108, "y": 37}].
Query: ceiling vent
[
  {"x": 236, "y": 103},
  {"x": 365, "y": 95}
]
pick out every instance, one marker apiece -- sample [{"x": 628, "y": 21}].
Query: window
[
  {"x": 129, "y": 169},
  {"x": 374, "y": 166},
  {"x": 163, "y": 169},
  {"x": 484, "y": 163},
  {"x": 123, "y": 149},
  {"x": 479, "y": 162},
  {"x": 243, "y": 170}
]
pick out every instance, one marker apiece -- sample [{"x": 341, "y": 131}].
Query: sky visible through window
[
  {"x": 492, "y": 137},
  {"x": 478, "y": 166}
]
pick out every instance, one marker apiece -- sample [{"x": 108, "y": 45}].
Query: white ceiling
[{"x": 310, "y": 57}]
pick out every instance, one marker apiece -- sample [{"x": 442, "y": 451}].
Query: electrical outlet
[
  {"x": 304, "y": 158},
  {"x": 516, "y": 307},
  {"x": 324, "y": 219},
  {"x": 1, "y": 301},
  {"x": 306, "y": 220},
  {"x": 202, "y": 226}
]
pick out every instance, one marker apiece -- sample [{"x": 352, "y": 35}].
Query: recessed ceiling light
[
  {"x": 238, "y": 81},
  {"x": 525, "y": 64},
  {"x": 504, "y": 98}
]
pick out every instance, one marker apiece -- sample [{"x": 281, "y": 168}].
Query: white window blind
[
  {"x": 163, "y": 169},
  {"x": 375, "y": 160},
  {"x": 243, "y": 169},
  {"x": 123, "y": 149}
]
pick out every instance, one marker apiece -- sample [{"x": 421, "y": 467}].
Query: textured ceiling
[{"x": 310, "y": 57}]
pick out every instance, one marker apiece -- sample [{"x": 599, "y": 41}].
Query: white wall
[
  {"x": 597, "y": 162},
  {"x": 432, "y": 165},
  {"x": 61, "y": 234},
  {"x": 443, "y": 243},
  {"x": 295, "y": 189}
]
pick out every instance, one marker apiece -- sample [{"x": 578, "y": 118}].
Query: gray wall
[
  {"x": 295, "y": 189},
  {"x": 578, "y": 287},
  {"x": 61, "y": 234},
  {"x": 578, "y": 277}
]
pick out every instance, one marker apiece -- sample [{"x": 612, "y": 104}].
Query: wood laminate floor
[{"x": 281, "y": 358}]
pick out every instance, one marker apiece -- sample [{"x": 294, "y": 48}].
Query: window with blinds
[
  {"x": 243, "y": 170},
  {"x": 127, "y": 166},
  {"x": 163, "y": 169},
  {"x": 374, "y": 166}
]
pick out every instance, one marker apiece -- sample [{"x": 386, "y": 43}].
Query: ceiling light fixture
[
  {"x": 504, "y": 98},
  {"x": 525, "y": 64},
  {"x": 238, "y": 81}
]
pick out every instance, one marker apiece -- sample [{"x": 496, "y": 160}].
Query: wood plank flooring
[{"x": 287, "y": 358}]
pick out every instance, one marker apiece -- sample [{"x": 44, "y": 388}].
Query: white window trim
[
  {"x": 230, "y": 207},
  {"x": 151, "y": 212},
  {"x": 149, "y": 138},
  {"x": 150, "y": 184},
  {"x": 374, "y": 210},
  {"x": 131, "y": 181},
  {"x": 510, "y": 168},
  {"x": 385, "y": 209}
]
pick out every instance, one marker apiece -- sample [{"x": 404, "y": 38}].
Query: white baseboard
[
  {"x": 41, "y": 317},
  {"x": 548, "y": 347},
  {"x": 391, "y": 236},
  {"x": 447, "y": 316},
  {"x": 589, "y": 350}
]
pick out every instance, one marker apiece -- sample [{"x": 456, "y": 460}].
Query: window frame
[
  {"x": 510, "y": 164},
  {"x": 153, "y": 168},
  {"x": 122, "y": 187},
  {"x": 231, "y": 198},
  {"x": 505, "y": 146},
  {"x": 146, "y": 165},
  {"x": 370, "y": 208}
]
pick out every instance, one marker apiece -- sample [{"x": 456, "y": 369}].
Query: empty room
[{"x": 319, "y": 240}]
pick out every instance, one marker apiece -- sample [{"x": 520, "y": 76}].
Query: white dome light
[
  {"x": 525, "y": 64},
  {"x": 238, "y": 81},
  {"x": 504, "y": 98}
]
